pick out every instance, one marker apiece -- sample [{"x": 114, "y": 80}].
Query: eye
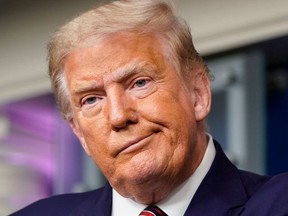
[
  {"x": 143, "y": 86},
  {"x": 141, "y": 82},
  {"x": 90, "y": 100}
]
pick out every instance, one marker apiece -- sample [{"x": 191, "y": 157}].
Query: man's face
[{"x": 133, "y": 113}]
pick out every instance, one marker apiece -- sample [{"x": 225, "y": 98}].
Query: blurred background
[{"x": 244, "y": 42}]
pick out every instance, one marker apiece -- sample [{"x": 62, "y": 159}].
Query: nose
[{"x": 121, "y": 109}]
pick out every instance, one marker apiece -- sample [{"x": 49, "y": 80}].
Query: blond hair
[{"x": 141, "y": 16}]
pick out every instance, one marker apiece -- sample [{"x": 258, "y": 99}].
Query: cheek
[
  {"x": 100, "y": 154},
  {"x": 177, "y": 122},
  {"x": 96, "y": 138},
  {"x": 175, "y": 113},
  {"x": 170, "y": 109}
]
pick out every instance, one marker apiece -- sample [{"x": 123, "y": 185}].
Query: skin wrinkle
[
  {"x": 168, "y": 55},
  {"x": 175, "y": 148}
]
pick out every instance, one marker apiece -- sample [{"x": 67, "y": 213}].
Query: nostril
[
  {"x": 120, "y": 125},
  {"x": 117, "y": 127}
]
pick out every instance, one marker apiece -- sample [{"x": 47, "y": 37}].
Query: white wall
[
  {"x": 224, "y": 24},
  {"x": 26, "y": 25},
  {"x": 25, "y": 28}
]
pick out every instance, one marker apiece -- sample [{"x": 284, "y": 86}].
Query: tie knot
[{"x": 152, "y": 211}]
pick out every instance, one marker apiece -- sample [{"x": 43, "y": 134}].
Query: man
[{"x": 136, "y": 93}]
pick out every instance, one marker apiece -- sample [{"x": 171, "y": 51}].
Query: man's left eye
[{"x": 141, "y": 82}]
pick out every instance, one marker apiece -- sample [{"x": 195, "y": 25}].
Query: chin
[{"x": 133, "y": 179}]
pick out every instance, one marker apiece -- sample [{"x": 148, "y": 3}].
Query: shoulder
[
  {"x": 271, "y": 197},
  {"x": 266, "y": 184},
  {"x": 62, "y": 204},
  {"x": 252, "y": 181},
  {"x": 276, "y": 187}
]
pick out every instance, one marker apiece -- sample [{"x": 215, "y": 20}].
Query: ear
[
  {"x": 78, "y": 132},
  {"x": 202, "y": 96}
]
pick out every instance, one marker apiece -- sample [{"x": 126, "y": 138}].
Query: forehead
[{"x": 113, "y": 52}]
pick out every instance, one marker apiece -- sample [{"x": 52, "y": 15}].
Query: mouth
[{"x": 135, "y": 144}]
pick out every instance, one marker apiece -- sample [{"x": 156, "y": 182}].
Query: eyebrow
[
  {"x": 130, "y": 69},
  {"x": 87, "y": 88},
  {"x": 119, "y": 74}
]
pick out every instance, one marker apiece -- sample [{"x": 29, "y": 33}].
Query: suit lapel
[
  {"x": 99, "y": 203},
  {"x": 221, "y": 191}
]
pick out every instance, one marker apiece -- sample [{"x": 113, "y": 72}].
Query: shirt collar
[{"x": 178, "y": 201}]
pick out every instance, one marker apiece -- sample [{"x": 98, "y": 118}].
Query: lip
[{"x": 135, "y": 144}]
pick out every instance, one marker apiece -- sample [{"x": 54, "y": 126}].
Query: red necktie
[{"x": 152, "y": 211}]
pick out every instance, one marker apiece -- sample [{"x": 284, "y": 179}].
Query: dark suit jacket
[{"x": 225, "y": 190}]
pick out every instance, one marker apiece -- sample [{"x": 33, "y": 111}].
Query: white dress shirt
[{"x": 178, "y": 201}]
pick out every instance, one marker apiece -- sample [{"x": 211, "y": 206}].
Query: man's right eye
[{"x": 90, "y": 100}]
